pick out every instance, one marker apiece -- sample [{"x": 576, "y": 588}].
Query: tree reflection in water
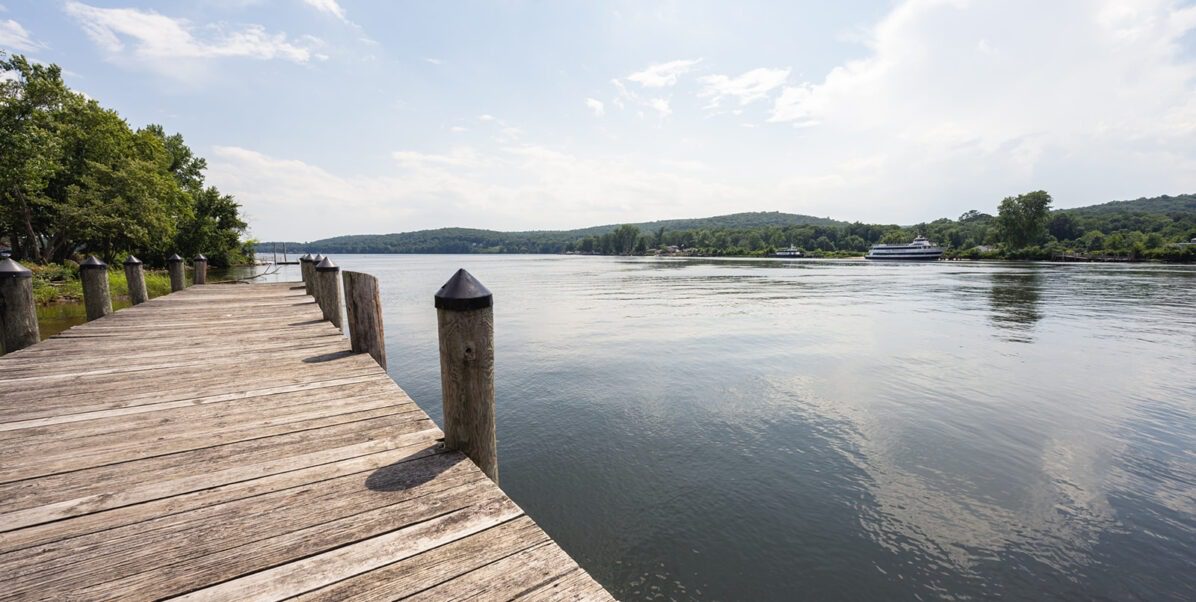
[{"x": 1015, "y": 300}]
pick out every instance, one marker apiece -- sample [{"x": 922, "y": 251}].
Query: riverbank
[{"x": 59, "y": 283}]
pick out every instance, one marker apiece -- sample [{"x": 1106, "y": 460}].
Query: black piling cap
[
  {"x": 92, "y": 262},
  {"x": 9, "y": 268},
  {"x": 463, "y": 292},
  {"x": 326, "y": 265},
  {"x": 132, "y": 261},
  {"x": 306, "y": 257},
  {"x": 174, "y": 258},
  {"x": 200, "y": 257},
  {"x": 318, "y": 258}
]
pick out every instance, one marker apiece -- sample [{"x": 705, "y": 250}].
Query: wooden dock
[{"x": 223, "y": 443}]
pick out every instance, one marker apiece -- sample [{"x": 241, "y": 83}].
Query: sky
[{"x": 330, "y": 117}]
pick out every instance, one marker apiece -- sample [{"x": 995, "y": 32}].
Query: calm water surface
[{"x": 768, "y": 430}]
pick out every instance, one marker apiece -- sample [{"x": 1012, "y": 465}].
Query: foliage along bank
[
  {"x": 75, "y": 179},
  {"x": 1025, "y": 227}
]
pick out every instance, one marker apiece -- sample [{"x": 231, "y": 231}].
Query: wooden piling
[
  {"x": 329, "y": 298},
  {"x": 363, "y": 304},
  {"x": 97, "y": 299},
  {"x": 135, "y": 276},
  {"x": 178, "y": 277},
  {"x": 201, "y": 269},
  {"x": 18, "y": 313},
  {"x": 465, "y": 315},
  {"x": 315, "y": 282},
  {"x": 305, "y": 270}
]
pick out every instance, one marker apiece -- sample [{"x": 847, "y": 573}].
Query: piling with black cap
[
  {"x": 305, "y": 270},
  {"x": 97, "y": 299},
  {"x": 315, "y": 281},
  {"x": 363, "y": 307},
  {"x": 465, "y": 318},
  {"x": 201, "y": 269},
  {"x": 18, "y": 314},
  {"x": 329, "y": 274},
  {"x": 135, "y": 276},
  {"x": 178, "y": 278}
]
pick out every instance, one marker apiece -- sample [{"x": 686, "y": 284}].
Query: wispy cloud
[
  {"x": 596, "y": 106},
  {"x": 330, "y": 7},
  {"x": 433, "y": 61},
  {"x": 754, "y": 85},
  {"x": 663, "y": 74},
  {"x": 156, "y": 40},
  {"x": 16, "y": 37}
]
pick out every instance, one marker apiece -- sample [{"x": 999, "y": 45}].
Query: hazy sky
[{"x": 329, "y": 117}]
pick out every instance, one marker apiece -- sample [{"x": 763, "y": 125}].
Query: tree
[
  {"x": 1064, "y": 227},
  {"x": 1021, "y": 220},
  {"x": 75, "y": 178},
  {"x": 623, "y": 239}
]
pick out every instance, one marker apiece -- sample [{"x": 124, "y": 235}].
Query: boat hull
[{"x": 904, "y": 257}]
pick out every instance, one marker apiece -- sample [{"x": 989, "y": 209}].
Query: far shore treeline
[
  {"x": 76, "y": 180},
  {"x": 1024, "y": 227}
]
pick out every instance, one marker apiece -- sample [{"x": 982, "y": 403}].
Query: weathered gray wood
[
  {"x": 135, "y": 276},
  {"x": 465, "y": 316},
  {"x": 178, "y": 276},
  {"x": 18, "y": 313},
  {"x": 97, "y": 299},
  {"x": 305, "y": 271},
  {"x": 329, "y": 291},
  {"x": 201, "y": 269},
  {"x": 435, "y": 566},
  {"x": 363, "y": 305},
  {"x": 223, "y": 442}
]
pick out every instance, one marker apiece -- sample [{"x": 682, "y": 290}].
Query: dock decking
[{"x": 223, "y": 443}]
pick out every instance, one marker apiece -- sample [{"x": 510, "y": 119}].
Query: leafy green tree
[
  {"x": 1064, "y": 227},
  {"x": 75, "y": 178},
  {"x": 1021, "y": 220}
]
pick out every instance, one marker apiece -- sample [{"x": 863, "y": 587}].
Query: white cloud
[
  {"x": 328, "y": 7},
  {"x": 596, "y": 106},
  {"x": 498, "y": 188},
  {"x": 661, "y": 106},
  {"x": 663, "y": 74},
  {"x": 486, "y": 117},
  {"x": 457, "y": 129},
  {"x": 16, "y": 37},
  {"x": 754, "y": 85},
  {"x": 160, "y": 42},
  {"x": 970, "y": 100},
  {"x": 433, "y": 61}
]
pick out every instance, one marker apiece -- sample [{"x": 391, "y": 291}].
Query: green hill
[
  {"x": 1136, "y": 226},
  {"x": 469, "y": 240},
  {"x": 1162, "y": 205}
]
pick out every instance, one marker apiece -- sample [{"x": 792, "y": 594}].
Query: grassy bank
[{"x": 56, "y": 283}]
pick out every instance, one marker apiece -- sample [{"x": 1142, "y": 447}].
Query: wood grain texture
[
  {"x": 225, "y": 443},
  {"x": 467, "y": 384},
  {"x": 135, "y": 276},
  {"x": 329, "y": 299},
  {"x": 18, "y": 314},
  {"x": 97, "y": 300},
  {"x": 363, "y": 308},
  {"x": 178, "y": 277}
]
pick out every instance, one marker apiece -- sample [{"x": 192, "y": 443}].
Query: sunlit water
[{"x": 772, "y": 430}]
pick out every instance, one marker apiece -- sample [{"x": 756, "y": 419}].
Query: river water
[{"x": 776, "y": 430}]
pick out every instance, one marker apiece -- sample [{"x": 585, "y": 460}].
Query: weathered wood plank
[
  {"x": 223, "y": 442},
  {"x": 438, "y": 565}
]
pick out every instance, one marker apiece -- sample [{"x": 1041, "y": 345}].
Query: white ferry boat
[
  {"x": 919, "y": 250},
  {"x": 792, "y": 251}
]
